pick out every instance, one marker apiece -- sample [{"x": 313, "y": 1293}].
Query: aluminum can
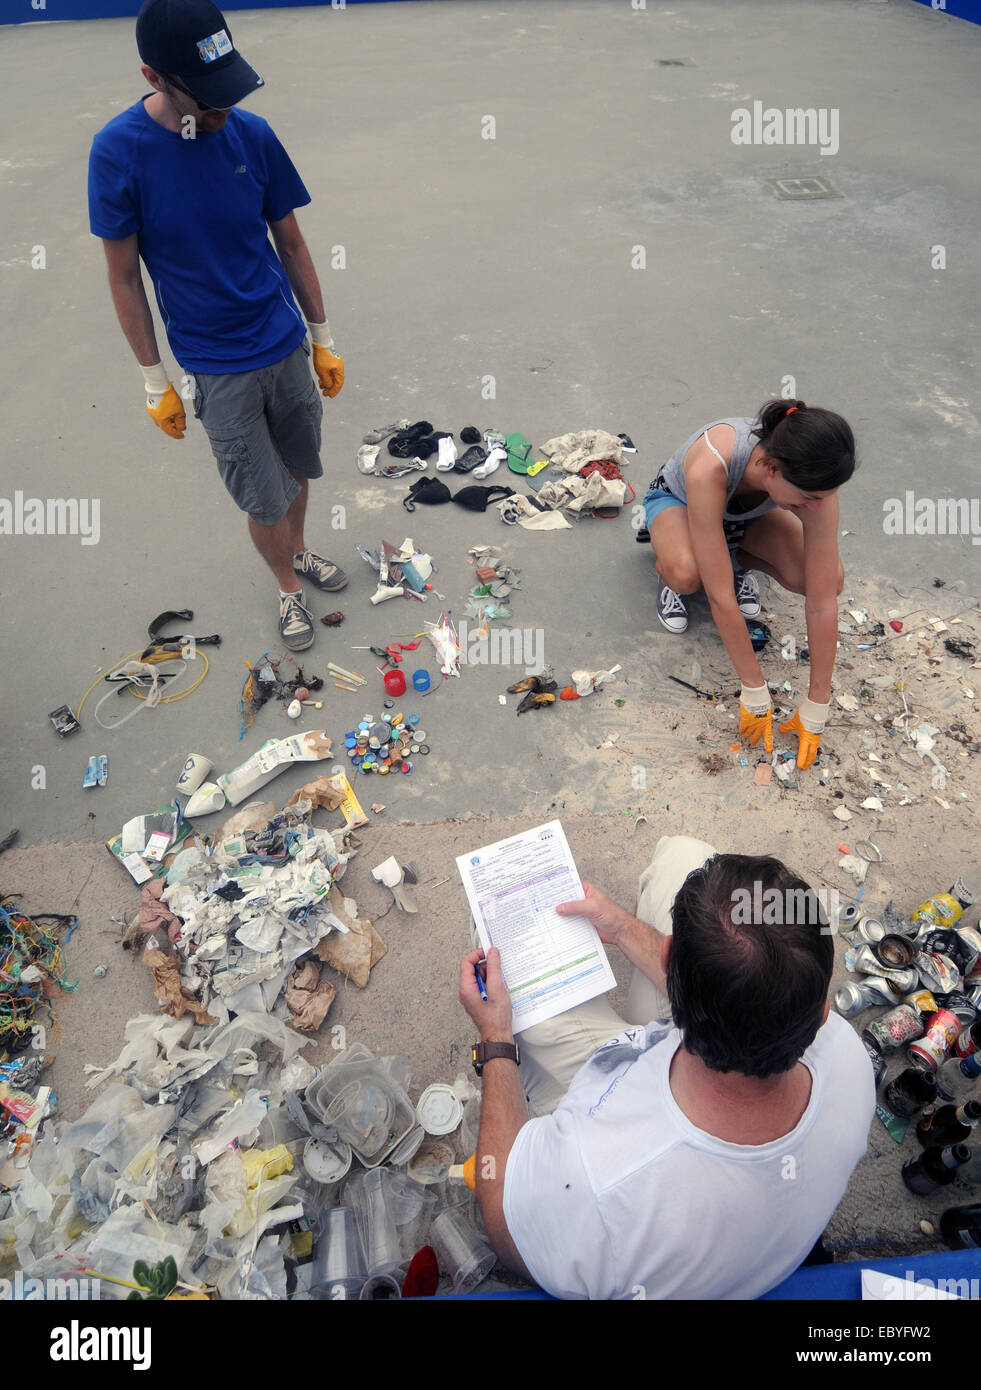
[{"x": 934, "y": 1047}]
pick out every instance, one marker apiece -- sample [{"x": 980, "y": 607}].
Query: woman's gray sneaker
[
  {"x": 748, "y": 594},
  {"x": 671, "y": 610}
]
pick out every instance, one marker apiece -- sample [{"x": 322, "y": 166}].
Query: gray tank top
[{"x": 672, "y": 475}]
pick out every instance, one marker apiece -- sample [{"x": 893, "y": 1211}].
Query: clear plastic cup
[
  {"x": 384, "y": 1249},
  {"x": 339, "y": 1265},
  {"x": 463, "y": 1255},
  {"x": 379, "y": 1287}
]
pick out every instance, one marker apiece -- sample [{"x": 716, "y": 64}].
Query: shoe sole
[
  {"x": 295, "y": 646},
  {"x": 675, "y": 631},
  {"x": 754, "y": 613}
]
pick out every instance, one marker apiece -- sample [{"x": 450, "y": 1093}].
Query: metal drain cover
[{"x": 802, "y": 188}]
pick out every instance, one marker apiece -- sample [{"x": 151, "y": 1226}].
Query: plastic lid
[
  {"x": 326, "y": 1162},
  {"x": 439, "y": 1111}
]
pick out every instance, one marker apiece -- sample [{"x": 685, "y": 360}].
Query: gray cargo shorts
[{"x": 265, "y": 432}]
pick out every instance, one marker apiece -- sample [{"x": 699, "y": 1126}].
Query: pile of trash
[
  {"x": 219, "y": 1164},
  {"x": 926, "y": 970},
  {"x": 236, "y": 921}
]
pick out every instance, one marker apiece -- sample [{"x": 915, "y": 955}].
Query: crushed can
[
  {"x": 895, "y": 952},
  {"x": 865, "y": 961},
  {"x": 971, "y": 938},
  {"x": 848, "y": 917},
  {"x": 852, "y": 999},
  {"x": 894, "y": 1029},
  {"x": 865, "y": 931},
  {"x": 934, "y": 1046},
  {"x": 944, "y": 909},
  {"x": 968, "y": 1040},
  {"x": 923, "y": 1000},
  {"x": 937, "y": 972},
  {"x": 960, "y": 1006},
  {"x": 947, "y": 942}
]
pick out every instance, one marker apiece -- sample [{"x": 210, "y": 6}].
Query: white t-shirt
[{"x": 618, "y": 1195}]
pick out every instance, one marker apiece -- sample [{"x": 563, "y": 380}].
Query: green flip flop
[{"x": 519, "y": 451}]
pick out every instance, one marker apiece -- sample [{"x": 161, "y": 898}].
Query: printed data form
[{"x": 550, "y": 963}]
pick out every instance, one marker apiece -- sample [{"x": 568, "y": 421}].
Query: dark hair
[
  {"x": 814, "y": 448},
  {"x": 747, "y": 987}
]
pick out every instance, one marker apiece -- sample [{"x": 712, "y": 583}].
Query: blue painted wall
[
  {"x": 961, "y": 9},
  {"x": 33, "y": 11}
]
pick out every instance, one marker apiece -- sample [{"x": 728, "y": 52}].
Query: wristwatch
[{"x": 483, "y": 1052}]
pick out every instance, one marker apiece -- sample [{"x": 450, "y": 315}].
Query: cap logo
[{"x": 215, "y": 46}]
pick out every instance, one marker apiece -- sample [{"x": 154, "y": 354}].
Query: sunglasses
[{"x": 181, "y": 88}]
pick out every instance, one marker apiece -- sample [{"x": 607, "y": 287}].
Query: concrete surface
[{"x": 510, "y": 258}]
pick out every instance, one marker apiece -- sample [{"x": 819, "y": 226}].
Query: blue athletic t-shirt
[{"x": 201, "y": 209}]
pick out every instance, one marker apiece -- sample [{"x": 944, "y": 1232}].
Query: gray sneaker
[
  {"x": 748, "y": 594},
  {"x": 324, "y": 573},
  {"x": 295, "y": 623},
  {"x": 671, "y": 610}
]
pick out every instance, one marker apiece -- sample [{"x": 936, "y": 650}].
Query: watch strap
[{"x": 483, "y": 1052}]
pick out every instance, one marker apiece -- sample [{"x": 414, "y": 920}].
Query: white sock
[
  {"x": 292, "y": 593},
  {"x": 367, "y": 458},
  {"x": 447, "y": 455},
  {"x": 491, "y": 463}
]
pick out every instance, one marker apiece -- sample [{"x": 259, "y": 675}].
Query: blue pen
[{"x": 480, "y": 983}]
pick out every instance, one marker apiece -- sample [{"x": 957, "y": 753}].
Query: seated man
[{"x": 697, "y": 1159}]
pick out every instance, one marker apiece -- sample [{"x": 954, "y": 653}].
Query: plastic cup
[
  {"x": 395, "y": 682},
  {"x": 420, "y": 680},
  {"x": 382, "y": 1238},
  {"x": 380, "y": 1286},
  {"x": 463, "y": 1255},
  {"x": 339, "y": 1264}
]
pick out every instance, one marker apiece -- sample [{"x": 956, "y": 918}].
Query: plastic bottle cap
[{"x": 439, "y": 1111}]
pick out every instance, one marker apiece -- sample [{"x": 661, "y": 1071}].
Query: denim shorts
[
  {"x": 656, "y": 500},
  {"x": 265, "y": 432}
]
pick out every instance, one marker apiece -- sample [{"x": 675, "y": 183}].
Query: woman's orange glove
[
  {"x": 808, "y": 724},
  {"x": 756, "y": 715}
]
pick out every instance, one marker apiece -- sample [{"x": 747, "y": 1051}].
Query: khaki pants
[{"x": 552, "y": 1052}]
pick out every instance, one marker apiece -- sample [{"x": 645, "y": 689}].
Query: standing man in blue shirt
[{"x": 193, "y": 187}]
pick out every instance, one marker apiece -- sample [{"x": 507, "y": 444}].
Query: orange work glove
[
  {"x": 163, "y": 404},
  {"x": 328, "y": 366},
  {"x": 329, "y": 369},
  {"x": 756, "y": 715},
  {"x": 808, "y": 724}
]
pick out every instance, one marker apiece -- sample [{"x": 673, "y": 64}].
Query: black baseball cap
[{"x": 190, "y": 40}]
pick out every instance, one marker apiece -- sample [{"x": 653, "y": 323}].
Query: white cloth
[{"x": 618, "y": 1195}]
